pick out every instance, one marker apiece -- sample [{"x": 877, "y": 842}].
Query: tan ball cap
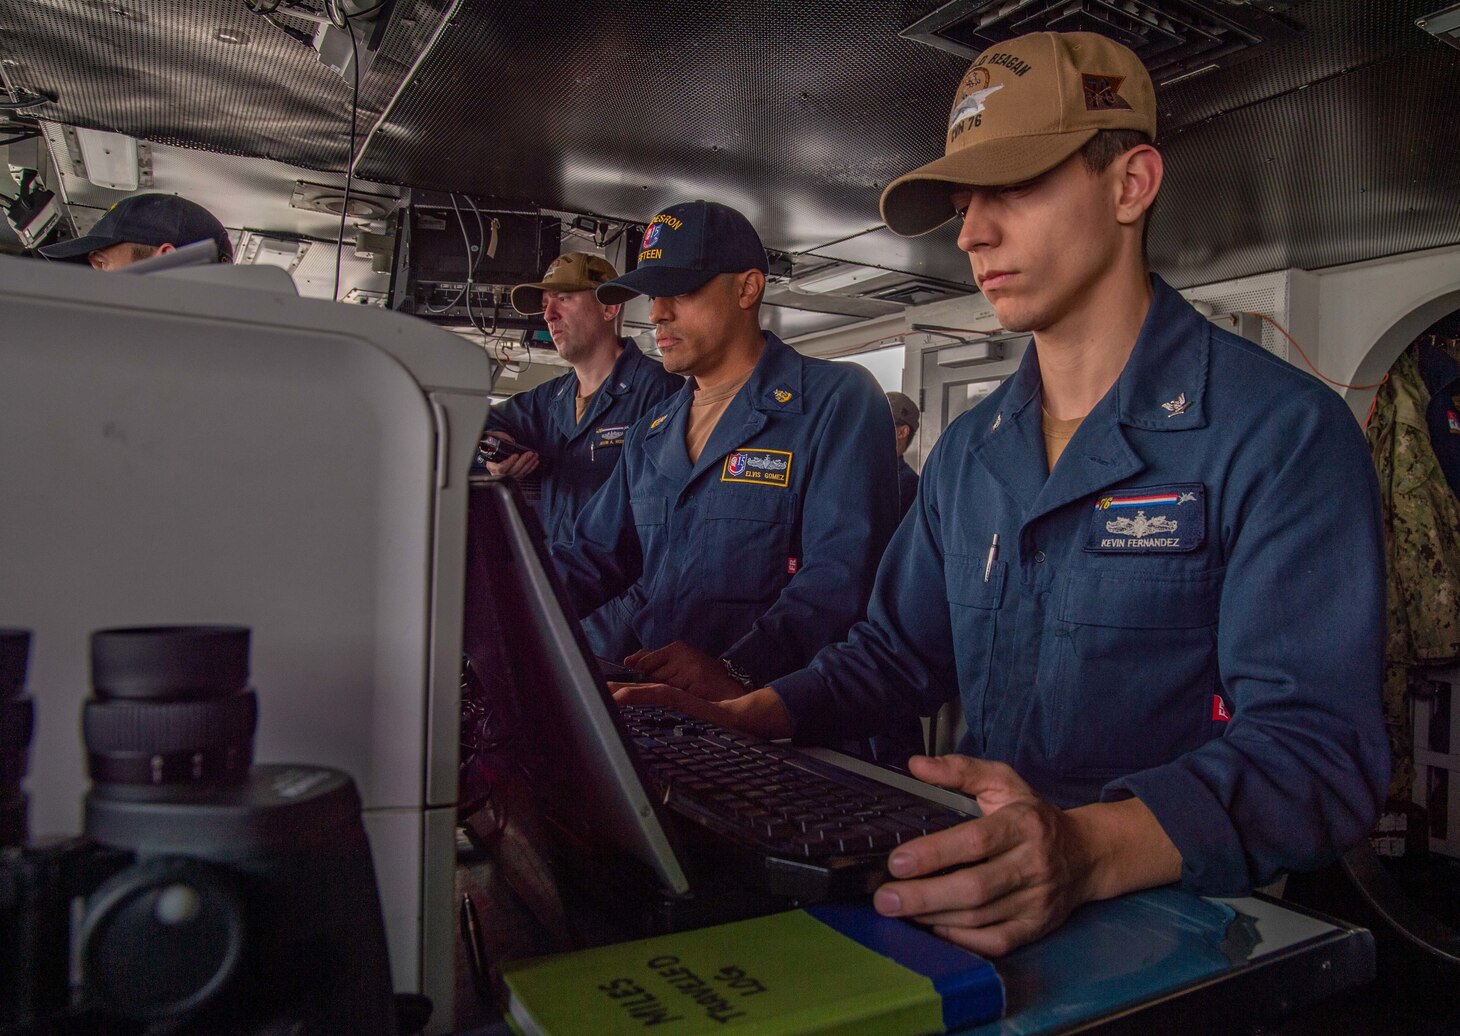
[
  {"x": 1023, "y": 107},
  {"x": 573, "y": 271}
]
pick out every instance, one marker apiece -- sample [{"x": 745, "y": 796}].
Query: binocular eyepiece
[
  {"x": 173, "y": 714},
  {"x": 206, "y": 895}
]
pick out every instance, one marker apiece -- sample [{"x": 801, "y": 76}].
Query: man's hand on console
[
  {"x": 1024, "y": 865},
  {"x": 689, "y": 669},
  {"x": 756, "y": 712},
  {"x": 519, "y": 465}
]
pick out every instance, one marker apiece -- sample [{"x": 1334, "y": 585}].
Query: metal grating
[
  {"x": 1172, "y": 37},
  {"x": 159, "y": 71},
  {"x": 795, "y": 112},
  {"x": 1352, "y": 168},
  {"x": 1333, "y": 146}
]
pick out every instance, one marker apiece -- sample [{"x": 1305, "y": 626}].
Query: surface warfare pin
[{"x": 1149, "y": 520}]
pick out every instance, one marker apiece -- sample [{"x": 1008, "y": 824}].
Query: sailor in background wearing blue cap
[
  {"x": 140, "y": 227},
  {"x": 751, "y": 508}
]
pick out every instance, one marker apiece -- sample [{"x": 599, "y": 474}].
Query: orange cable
[{"x": 1284, "y": 332}]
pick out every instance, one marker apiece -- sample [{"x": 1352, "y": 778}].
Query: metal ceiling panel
[
  {"x": 1170, "y": 37},
  {"x": 797, "y": 113},
  {"x": 935, "y": 256},
  {"x": 1335, "y": 146},
  {"x": 159, "y": 71},
  {"x": 1339, "y": 37},
  {"x": 1356, "y": 167}
]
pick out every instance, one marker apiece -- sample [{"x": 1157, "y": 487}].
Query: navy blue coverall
[
  {"x": 764, "y": 551},
  {"x": 907, "y": 486},
  {"x": 1188, "y": 609},
  {"x": 578, "y": 456}
]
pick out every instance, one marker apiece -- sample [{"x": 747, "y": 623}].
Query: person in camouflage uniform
[{"x": 1422, "y": 543}]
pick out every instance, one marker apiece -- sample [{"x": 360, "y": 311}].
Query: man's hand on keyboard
[
  {"x": 1036, "y": 862},
  {"x": 758, "y": 712},
  {"x": 689, "y": 669}
]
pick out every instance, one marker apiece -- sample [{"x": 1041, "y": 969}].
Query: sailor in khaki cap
[
  {"x": 1121, "y": 562},
  {"x": 573, "y": 427}
]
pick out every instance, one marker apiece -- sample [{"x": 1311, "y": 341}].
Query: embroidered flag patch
[
  {"x": 1454, "y": 420},
  {"x": 758, "y": 467},
  {"x": 1149, "y": 520}
]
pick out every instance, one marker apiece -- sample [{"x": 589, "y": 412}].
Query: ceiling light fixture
[
  {"x": 1443, "y": 24},
  {"x": 317, "y": 197},
  {"x": 835, "y": 278},
  {"x": 258, "y": 248},
  {"x": 110, "y": 159}
]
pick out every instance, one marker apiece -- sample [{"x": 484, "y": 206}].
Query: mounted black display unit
[{"x": 440, "y": 247}]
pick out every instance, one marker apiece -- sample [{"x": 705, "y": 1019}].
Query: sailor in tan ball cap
[{"x": 1120, "y": 562}]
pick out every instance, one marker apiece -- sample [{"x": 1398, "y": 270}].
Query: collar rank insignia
[
  {"x": 658, "y": 421},
  {"x": 1176, "y": 406},
  {"x": 781, "y": 395}
]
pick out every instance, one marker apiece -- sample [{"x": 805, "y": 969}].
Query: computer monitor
[
  {"x": 190, "y": 451},
  {"x": 521, "y": 635}
]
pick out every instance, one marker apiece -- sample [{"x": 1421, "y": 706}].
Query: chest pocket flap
[
  {"x": 963, "y": 577},
  {"x": 648, "y": 510},
  {"x": 753, "y": 503},
  {"x": 1146, "y": 602}
]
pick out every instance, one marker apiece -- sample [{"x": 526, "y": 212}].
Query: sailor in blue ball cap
[
  {"x": 140, "y": 227},
  {"x": 750, "y": 509}
]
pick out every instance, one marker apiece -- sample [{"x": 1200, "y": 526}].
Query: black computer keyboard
[{"x": 772, "y": 797}]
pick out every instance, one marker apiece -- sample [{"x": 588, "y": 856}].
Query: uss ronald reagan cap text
[
  {"x": 148, "y": 219},
  {"x": 684, "y": 247},
  {"x": 572, "y": 271},
  {"x": 1022, "y": 108}
]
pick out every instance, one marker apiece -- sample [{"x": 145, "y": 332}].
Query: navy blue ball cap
[
  {"x": 683, "y": 248},
  {"x": 148, "y": 219}
]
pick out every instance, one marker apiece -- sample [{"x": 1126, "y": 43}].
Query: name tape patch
[
  {"x": 758, "y": 467},
  {"x": 1149, "y": 520},
  {"x": 609, "y": 436}
]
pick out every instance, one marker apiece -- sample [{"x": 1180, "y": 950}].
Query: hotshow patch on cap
[
  {"x": 1149, "y": 520},
  {"x": 758, "y": 467}
]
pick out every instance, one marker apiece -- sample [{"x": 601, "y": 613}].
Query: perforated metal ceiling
[
  {"x": 157, "y": 70},
  {"x": 1336, "y": 146}
]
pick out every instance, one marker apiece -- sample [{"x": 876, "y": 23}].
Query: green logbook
[{"x": 831, "y": 969}]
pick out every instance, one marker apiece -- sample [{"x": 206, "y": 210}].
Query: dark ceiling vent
[{"x": 1175, "y": 38}]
